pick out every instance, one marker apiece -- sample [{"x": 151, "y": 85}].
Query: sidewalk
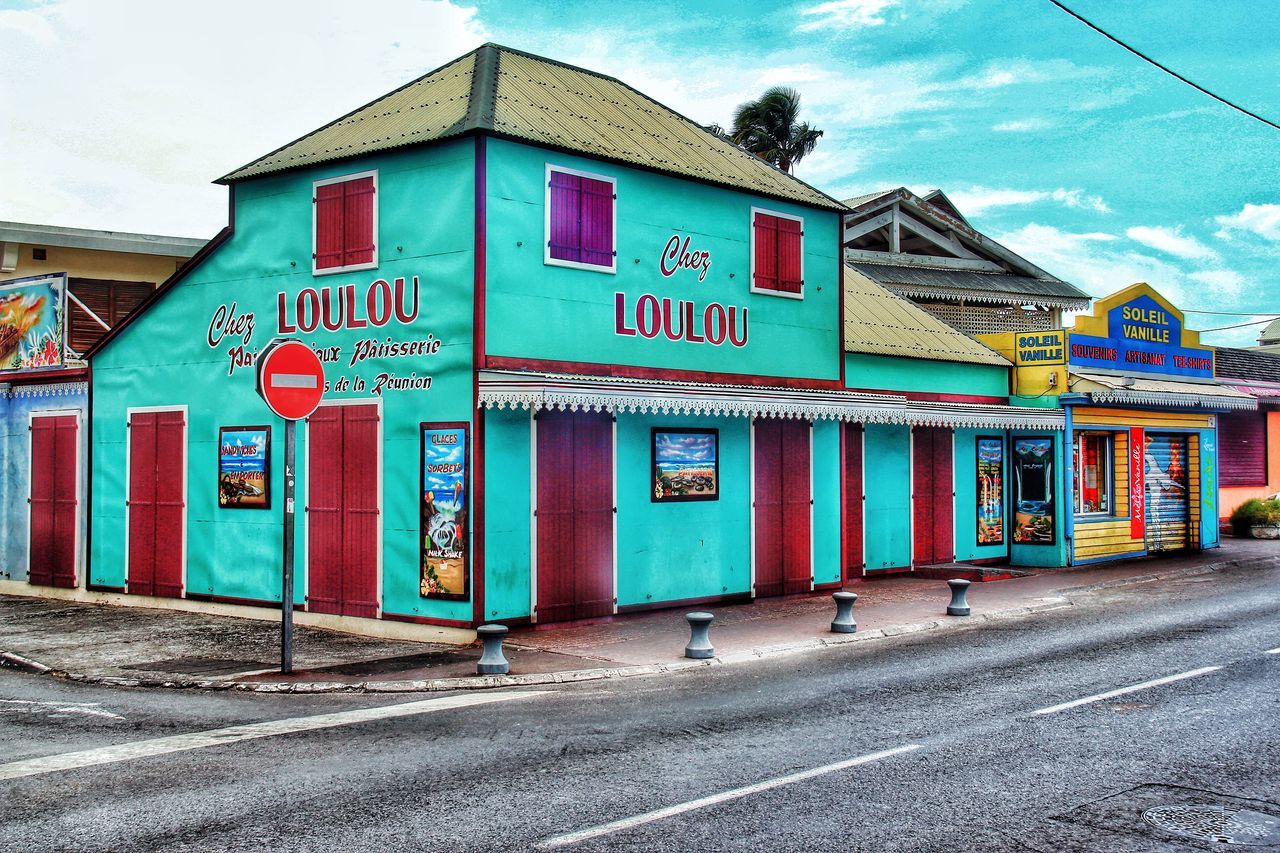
[{"x": 130, "y": 646}]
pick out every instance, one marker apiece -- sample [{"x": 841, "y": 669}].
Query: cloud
[
  {"x": 1026, "y": 125},
  {"x": 1171, "y": 241},
  {"x": 845, "y": 14},
  {"x": 121, "y": 114},
  {"x": 976, "y": 200},
  {"x": 1262, "y": 220},
  {"x": 1221, "y": 282}
]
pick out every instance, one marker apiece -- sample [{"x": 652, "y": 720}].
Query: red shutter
[
  {"x": 358, "y": 242},
  {"x": 324, "y": 510},
  {"x": 170, "y": 506},
  {"x": 797, "y": 508},
  {"x": 42, "y": 501},
  {"x": 766, "y": 260},
  {"x": 66, "y": 449},
  {"x": 1242, "y": 449},
  {"x": 767, "y": 501},
  {"x": 142, "y": 503},
  {"x": 566, "y": 217},
  {"x": 854, "y": 561},
  {"x": 330, "y": 231},
  {"x": 597, "y": 222},
  {"x": 789, "y": 244}
]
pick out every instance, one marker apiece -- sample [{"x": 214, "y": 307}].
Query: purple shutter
[
  {"x": 1242, "y": 449},
  {"x": 566, "y": 217},
  {"x": 597, "y": 222}
]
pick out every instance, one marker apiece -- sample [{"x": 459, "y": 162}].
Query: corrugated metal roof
[
  {"x": 939, "y": 281},
  {"x": 531, "y": 98},
  {"x": 1107, "y": 388},
  {"x": 879, "y": 323},
  {"x": 1246, "y": 364}
]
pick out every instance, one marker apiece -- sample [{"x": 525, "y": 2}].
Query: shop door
[
  {"x": 932, "y": 497},
  {"x": 342, "y": 510},
  {"x": 783, "y": 507},
  {"x": 854, "y": 560},
  {"x": 157, "y": 503},
  {"x": 574, "y": 517},
  {"x": 1168, "y": 508},
  {"x": 52, "y": 549}
]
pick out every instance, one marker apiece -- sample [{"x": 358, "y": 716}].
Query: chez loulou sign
[{"x": 1139, "y": 334}]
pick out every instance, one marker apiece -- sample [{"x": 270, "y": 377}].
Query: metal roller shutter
[{"x": 1168, "y": 501}]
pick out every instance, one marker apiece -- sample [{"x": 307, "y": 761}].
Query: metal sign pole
[{"x": 286, "y": 597}]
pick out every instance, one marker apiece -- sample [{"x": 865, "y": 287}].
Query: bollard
[
  {"x": 493, "y": 661},
  {"x": 958, "y": 606},
  {"x": 699, "y": 647},
  {"x": 844, "y": 623}
]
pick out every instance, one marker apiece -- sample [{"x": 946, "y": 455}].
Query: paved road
[{"x": 970, "y": 765}]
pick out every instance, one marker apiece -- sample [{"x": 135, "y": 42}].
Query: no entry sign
[{"x": 290, "y": 379}]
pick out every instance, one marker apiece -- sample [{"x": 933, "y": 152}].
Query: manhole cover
[{"x": 1223, "y": 824}]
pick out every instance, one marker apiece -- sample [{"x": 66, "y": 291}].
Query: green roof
[
  {"x": 881, "y": 323},
  {"x": 520, "y": 96}
]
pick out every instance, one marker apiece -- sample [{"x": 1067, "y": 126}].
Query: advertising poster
[
  {"x": 244, "y": 454},
  {"x": 686, "y": 466},
  {"x": 444, "y": 511},
  {"x": 31, "y": 323},
  {"x": 990, "y": 491},
  {"x": 1033, "y": 495}
]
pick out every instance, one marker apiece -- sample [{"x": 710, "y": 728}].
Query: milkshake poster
[
  {"x": 990, "y": 491},
  {"x": 444, "y": 511},
  {"x": 243, "y": 457}
]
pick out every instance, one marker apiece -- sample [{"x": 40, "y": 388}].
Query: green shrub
[{"x": 1254, "y": 512}]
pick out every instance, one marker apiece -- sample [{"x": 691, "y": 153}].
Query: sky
[{"x": 1052, "y": 140}]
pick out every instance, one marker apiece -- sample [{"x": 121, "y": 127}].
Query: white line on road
[
  {"x": 1168, "y": 679},
  {"x": 1275, "y": 651},
  {"x": 87, "y": 709},
  {"x": 234, "y": 734},
  {"x": 715, "y": 799}
]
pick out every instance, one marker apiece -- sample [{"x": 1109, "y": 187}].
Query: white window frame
[
  {"x": 1108, "y": 469},
  {"x": 342, "y": 179},
  {"x": 612, "y": 268},
  {"x": 764, "y": 290}
]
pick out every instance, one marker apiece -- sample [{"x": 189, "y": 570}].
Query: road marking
[
  {"x": 1168, "y": 679},
  {"x": 234, "y": 734},
  {"x": 87, "y": 709},
  {"x": 715, "y": 799},
  {"x": 1275, "y": 651}
]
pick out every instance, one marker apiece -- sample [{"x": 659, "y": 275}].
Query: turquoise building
[{"x": 581, "y": 357}]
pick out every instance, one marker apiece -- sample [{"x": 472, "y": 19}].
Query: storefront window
[{"x": 1093, "y": 467}]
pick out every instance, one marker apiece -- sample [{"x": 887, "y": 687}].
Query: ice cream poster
[
  {"x": 990, "y": 491},
  {"x": 31, "y": 323},
  {"x": 444, "y": 572},
  {"x": 244, "y": 455}
]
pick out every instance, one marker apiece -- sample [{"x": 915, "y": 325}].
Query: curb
[{"x": 490, "y": 682}]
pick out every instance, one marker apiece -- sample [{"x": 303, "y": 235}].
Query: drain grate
[{"x": 1222, "y": 824}]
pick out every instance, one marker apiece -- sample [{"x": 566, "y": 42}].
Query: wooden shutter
[
  {"x": 324, "y": 510},
  {"x": 854, "y": 559},
  {"x": 330, "y": 229},
  {"x": 42, "y": 501},
  {"x": 359, "y": 463},
  {"x": 766, "y": 260},
  {"x": 597, "y": 222},
  {"x": 797, "y": 507},
  {"x": 1242, "y": 449},
  {"x": 789, "y": 246},
  {"x": 358, "y": 198},
  {"x": 565, "y": 239}
]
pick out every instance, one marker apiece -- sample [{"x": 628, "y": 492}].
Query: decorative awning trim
[
  {"x": 61, "y": 389},
  {"x": 1174, "y": 400},
  {"x": 992, "y": 297},
  {"x": 537, "y": 391}
]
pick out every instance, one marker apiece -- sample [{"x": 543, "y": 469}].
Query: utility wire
[
  {"x": 1233, "y": 313},
  {"x": 1163, "y": 68},
  {"x": 1241, "y": 325}
]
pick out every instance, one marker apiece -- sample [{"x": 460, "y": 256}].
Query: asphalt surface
[{"x": 987, "y": 773}]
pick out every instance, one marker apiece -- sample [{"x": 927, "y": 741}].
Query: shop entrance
[
  {"x": 342, "y": 510},
  {"x": 783, "y": 507},
  {"x": 1168, "y": 504},
  {"x": 932, "y": 496},
  {"x": 157, "y": 502},
  {"x": 54, "y": 450},
  {"x": 574, "y": 516}
]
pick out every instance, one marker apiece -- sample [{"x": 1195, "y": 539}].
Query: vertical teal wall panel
[
  {"x": 1209, "y": 532},
  {"x": 966, "y": 505},
  {"x": 888, "y": 496},
  {"x": 507, "y": 507},
  {"x": 826, "y": 502},
  {"x": 683, "y": 549}
]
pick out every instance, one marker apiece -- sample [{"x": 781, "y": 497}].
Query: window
[
  {"x": 97, "y": 304},
  {"x": 581, "y": 220},
  {"x": 1093, "y": 455},
  {"x": 777, "y": 256},
  {"x": 346, "y": 223}
]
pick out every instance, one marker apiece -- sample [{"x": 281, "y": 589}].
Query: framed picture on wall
[
  {"x": 990, "y": 490},
  {"x": 444, "y": 567},
  {"x": 685, "y": 464},
  {"x": 1033, "y": 491},
  {"x": 244, "y": 467}
]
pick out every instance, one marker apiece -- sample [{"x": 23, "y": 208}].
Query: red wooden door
[
  {"x": 574, "y": 516},
  {"x": 342, "y": 510},
  {"x": 854, "y": 560},
  {"x": 783, "y": 503},
  {"x": 932, "y": 496},
  {"x": 54, "y": 521},
  {"x": 157, "y": 503}
]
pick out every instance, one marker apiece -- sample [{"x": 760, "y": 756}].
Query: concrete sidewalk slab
[{"x": 130, "y": 646}]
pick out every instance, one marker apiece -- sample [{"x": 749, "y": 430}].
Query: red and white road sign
[{"x": 290, "y": 379}]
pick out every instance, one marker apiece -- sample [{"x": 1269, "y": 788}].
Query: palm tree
[{"x": 768, "y": 128}]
